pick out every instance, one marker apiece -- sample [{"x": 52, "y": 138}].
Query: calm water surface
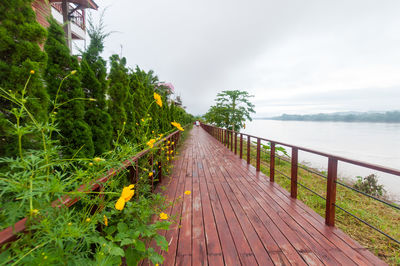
[{"x": 377, "y": 143}]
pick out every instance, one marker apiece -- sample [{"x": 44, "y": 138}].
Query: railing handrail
[
  {"x": 376, "y": 167},
  {"x": 9, "y": 234},
  {"x": 226, "y": 137}
]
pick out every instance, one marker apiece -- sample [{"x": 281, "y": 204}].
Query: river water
[{"x": 376, "y": 143}]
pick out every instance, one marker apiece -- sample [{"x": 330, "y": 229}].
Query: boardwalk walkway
[{"x": 235, "y": 216}]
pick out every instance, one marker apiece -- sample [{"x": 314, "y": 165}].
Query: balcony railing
[{"x": 77, "y": 17}]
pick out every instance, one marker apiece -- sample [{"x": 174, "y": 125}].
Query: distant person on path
[{"x": 197, "y": 123}]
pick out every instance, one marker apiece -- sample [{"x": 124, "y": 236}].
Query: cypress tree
[
  {"x": 94, "y": 84},
  {"x": 75, "y": 134},
  {"x": 20, "y": 36},
  {"x": 118, "y": 92}
]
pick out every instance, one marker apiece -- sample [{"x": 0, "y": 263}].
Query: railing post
[
  {"x": 226, "y": 137},
  {"x": 151, "y": 169},
  {"x": 258, "y": 154},
  {"x": 248, "y": 149},
  {"x": 272, "y": 163},
  {"x": 235, "y": 143},
  {"x": 331, "y": 192},
  {"x": 241, "y": 146},
  {"x": 293, "y": 181},
  {"x": 159, "y": 161},
  {"x": 231, "y": 140}
]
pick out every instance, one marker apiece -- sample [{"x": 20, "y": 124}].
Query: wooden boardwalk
[{"x": 235, "y": 216}]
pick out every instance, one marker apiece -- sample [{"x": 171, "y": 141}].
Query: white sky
[{"x": 294, "y": 56}]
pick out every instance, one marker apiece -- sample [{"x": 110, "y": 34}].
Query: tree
[
  {"x": 118, "y": 91},
  {"x": 232, "y": 109},
  {"x": 20, "y": 36},
  {"x": 75, "y": 134},
  {"x": 94, "y": 84}
]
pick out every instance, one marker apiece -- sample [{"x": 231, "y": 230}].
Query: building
[{"x": 71, "y": 11}]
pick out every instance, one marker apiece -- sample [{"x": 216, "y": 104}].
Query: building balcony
[{"x": 77, "y": 18}]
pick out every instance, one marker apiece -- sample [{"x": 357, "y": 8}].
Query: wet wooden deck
[{"x": 235, "y": 216}]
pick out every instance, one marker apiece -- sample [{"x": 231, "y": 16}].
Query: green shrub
[
  {"x": 74, "y": 133},
  {"x": 369, "y": 185}
]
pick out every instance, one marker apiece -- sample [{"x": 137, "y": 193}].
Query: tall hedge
[
  {"x": 94, "y": 84},
  {"x": 75, "y": 134},
  {"x": 20, "y": 36},
  {"x": 118, "y": 91}
]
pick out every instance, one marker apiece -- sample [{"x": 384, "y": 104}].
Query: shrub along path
[{"x": 235, "y": 216}]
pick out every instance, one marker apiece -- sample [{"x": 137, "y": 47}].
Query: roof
[{"x": 83, "y": 3}]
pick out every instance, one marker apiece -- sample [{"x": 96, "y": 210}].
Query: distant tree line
[{"x": 387, "y": 117}]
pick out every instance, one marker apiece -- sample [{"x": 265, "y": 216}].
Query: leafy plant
[
  {"x": 369, "y": 185},
  {"x": 232, "y": 109}
]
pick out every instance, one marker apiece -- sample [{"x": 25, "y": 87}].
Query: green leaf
[
  {"x": 132, "y": 256},
  {"x": 161, "y": 242},
  {"x": 140, "y": 246},
  {"x": 117, "y": 251},
  {"x": 122, "y": 227},
  {"x": 155, "y": 257},
  {"x": 126, "y": 241}
]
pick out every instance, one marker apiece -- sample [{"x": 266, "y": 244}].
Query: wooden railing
[
  {"x": 131, "y": 165},
  {"x": 77, "y": 17},
  {"x": 229, "y": 138}
]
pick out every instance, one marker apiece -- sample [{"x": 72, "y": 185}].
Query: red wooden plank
[{"x": 227, "y": 244}]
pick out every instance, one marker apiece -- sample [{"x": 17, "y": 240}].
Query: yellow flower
[
  {"x": 87, "y": 219},
  {"x": 73, "y": 72},
  {"x": 32, "y": 72},
  {"x": 187, "y": 192},
  {"x": 172, "y": 143},
  {"x": 177, "y": 125},
  {"x": 98, "y": 159},
  {"x": 120, "y": 204},
  {"x": 137, "y": 124},
  {"x": 151, "y": 174},
  {"x": 128, "y": 192},
  {"x": 152, "y": 132},
  {"x": 69, "y": 224},
  {"x": 168, "y": 142},
  {"x": 105, "y": 220},
  {"x": 45, "y": 257},
  {"x": 163, "y": 216},
  {"x": 167, "y": 158},
  {"x": 151, "y": 142},
  {"x": 90, "y": 164},
  {"x": 142, "y": 120},
  {"x": 157, "y": 97},
  {"x": 35, "y": 211}
]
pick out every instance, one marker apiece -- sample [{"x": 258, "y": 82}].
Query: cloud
[{"x": 288, "y": 50}]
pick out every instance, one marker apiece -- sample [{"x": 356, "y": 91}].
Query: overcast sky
[{"x": 293, "y": 56}]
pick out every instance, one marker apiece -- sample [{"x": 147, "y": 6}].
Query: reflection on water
[{"x": 377, "y": 143}]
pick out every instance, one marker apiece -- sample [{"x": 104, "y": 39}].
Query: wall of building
[{"x": 43, "y": 11}]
